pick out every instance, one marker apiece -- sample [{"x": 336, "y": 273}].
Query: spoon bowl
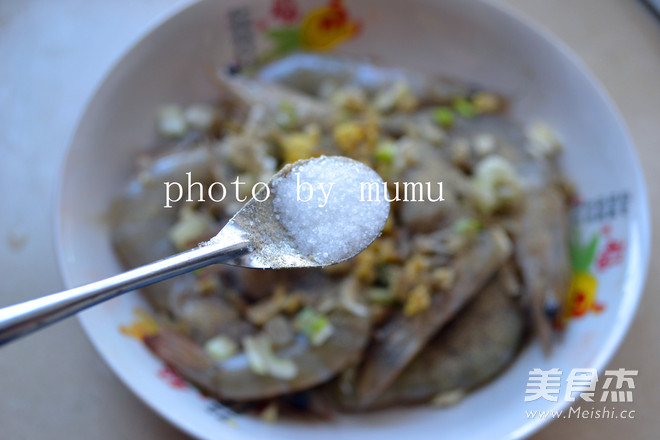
[{"x": 274, "y": 244}]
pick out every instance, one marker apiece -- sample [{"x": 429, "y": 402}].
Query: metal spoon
[{"x": 252, "y": 238}]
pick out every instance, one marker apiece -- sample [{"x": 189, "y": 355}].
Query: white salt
[{"x": 324, "y": 205}]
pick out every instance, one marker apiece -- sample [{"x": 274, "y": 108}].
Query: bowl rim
[
  {"x": 57, "y": 226},
  {"x": 616, "y": 336}
]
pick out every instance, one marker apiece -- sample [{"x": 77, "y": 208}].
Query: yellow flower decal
[
  {"x": 326, "y": 27},
  {"x": 582, "y": 294},
  {"x": 145, "y": 325}
]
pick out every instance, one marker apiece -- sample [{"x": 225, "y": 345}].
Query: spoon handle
[{"x": 26, "y": 317}]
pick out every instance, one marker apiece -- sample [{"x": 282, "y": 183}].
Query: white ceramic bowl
[{"x": 473, "y": 40}]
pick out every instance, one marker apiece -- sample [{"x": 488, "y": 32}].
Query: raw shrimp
[
  {"x": 542, "y": 253},
  {"x": 310, "y": 73},
  {"x": 474, "y": 347},
  {"x": 540, "y": 227},
  {"x": 402, "y": 338},
  {"x": 267, "y": 99},
  {"x": 234, "y": 380}
]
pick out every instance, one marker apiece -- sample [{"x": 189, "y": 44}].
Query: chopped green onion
[
  {"x": 263, "y": 361},
  {"x": 256, "y": 350},
  {"x": 467, "y": 227},
  {"x": 385, "y": 152},
  {"x": 543, "y": 140},
  {"x": 496, "y": 185},
  {"x": 287, "y": 117},
  {"x": 171, "y": 122},
  {"x": 444, "y": 117},
  {"x": 315, "y": 326},
  {"x": 189, "y": 228},
  {"x": 200, "y": 116},
  {"x": 381, "y": 295},
  {"x": 448, "y": 398},
  {"x": 221, "y": 347},
  {"x": 348, "y": 298},
  {"x": 282, "y": 368},
  {"x": 464, "y": 108}
]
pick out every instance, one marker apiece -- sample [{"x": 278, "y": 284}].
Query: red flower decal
[
  {"x": 172, "y": 378},
  {"x": 285, "y": 10}
]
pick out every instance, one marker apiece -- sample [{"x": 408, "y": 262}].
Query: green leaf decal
[
  {"x": 285, "y": 39},
  {"x": 590, "y": 251},
  {"x": 582, "y": 256}
]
